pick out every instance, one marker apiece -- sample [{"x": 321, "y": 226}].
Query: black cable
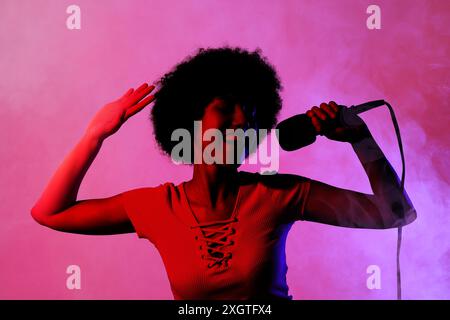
[{"x": 399, "y": 230}]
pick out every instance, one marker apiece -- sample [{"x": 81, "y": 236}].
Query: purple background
[{"x": 53, "y": 80}]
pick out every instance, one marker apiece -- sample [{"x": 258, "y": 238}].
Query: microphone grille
[{"x": 295, "y": 132}]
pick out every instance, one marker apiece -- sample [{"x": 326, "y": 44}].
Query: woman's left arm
[{"x": 389, "y": 206}]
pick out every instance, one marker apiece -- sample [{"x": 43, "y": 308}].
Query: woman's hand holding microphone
[{"x": 326, "y": 121}]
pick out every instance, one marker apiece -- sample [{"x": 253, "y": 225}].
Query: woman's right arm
[{"x": 58, "y": 207}]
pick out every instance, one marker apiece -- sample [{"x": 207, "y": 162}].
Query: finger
[
  {"x": 315, "y": 121},
  {"x": 330, "y": 111},
  {"x": 130, "y": 91},
  {"x": 334, "y": 105},
  {"x": 140, "y": 94},
  {"x": 316, "y": 124},
  {"x": 144, "y": 85},
  {"x": 319, "y": 113},
  {"x": 138, "y": 107}
]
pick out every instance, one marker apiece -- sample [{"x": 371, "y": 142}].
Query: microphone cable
[
  {"x": 365, "y": 107},
  {"x": 402, "y": 184}
]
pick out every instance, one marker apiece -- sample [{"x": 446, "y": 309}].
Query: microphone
[{"x": 298, "y": 131}]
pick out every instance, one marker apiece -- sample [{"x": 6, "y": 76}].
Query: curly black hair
[{"x": 186, "y": 90}]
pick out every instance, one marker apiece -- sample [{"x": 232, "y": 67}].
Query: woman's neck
[{"x": 212, "y": 186}]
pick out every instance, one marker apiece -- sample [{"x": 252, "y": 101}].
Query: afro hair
[{"x": 186, "y": 90}]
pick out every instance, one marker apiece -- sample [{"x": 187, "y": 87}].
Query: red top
[{"x": 239, "y": 258}]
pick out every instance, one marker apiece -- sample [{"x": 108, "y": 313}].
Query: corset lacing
[{"x": 216, "y": 237}]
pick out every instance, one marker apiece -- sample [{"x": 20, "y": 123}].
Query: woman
[{"x": 222, "y": 234}]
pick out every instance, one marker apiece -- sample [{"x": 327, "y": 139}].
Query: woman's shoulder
[
  {"x": 273, "y": 180},
  {"x": 161, "y": 189}
]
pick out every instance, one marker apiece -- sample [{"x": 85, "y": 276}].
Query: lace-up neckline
[
  {"x": 216, "y": 237},
  {"x": 217, "y": 241}
]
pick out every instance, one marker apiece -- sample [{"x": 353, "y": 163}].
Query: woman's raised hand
[{"x": 110, "y": 117}]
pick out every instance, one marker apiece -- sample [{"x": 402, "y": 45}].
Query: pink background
[{"x": 53, "y": 80}]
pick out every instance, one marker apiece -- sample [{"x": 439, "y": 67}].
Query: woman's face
[{"x": 222, "y": 114}]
